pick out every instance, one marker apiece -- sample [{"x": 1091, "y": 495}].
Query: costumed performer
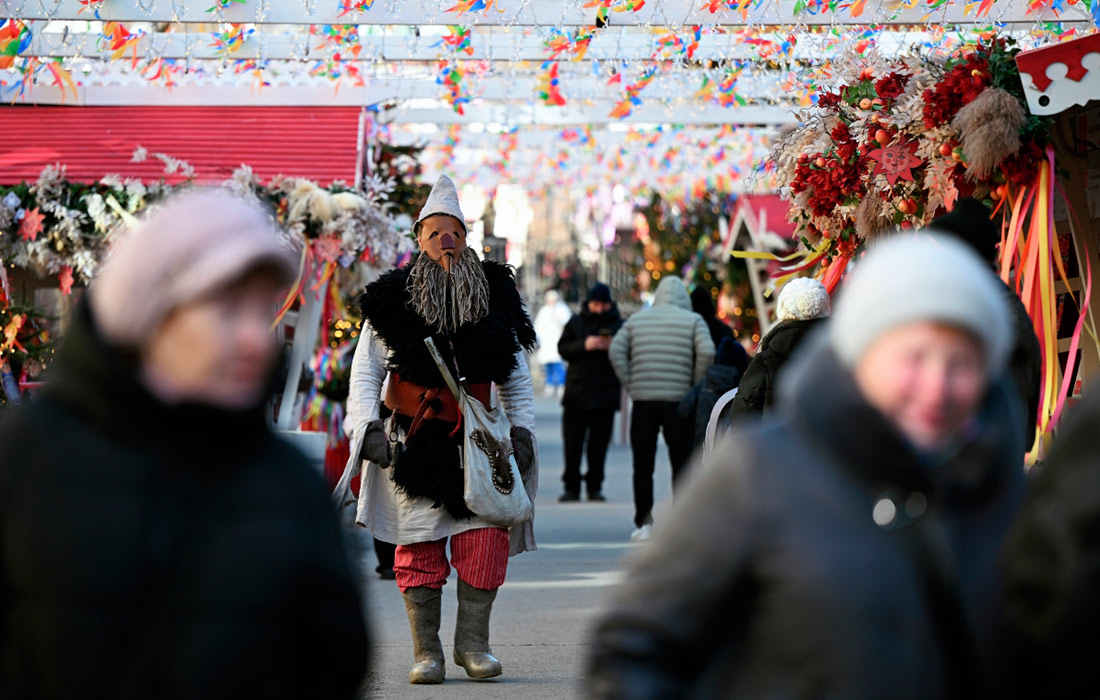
[{"x": 412, "y": 484}]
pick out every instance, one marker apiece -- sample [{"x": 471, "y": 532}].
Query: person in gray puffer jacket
[{"x": 658, "y": 355}]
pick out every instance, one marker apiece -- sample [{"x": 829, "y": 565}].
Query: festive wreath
[
  {"x": 58, "y": 227},
  {"x": 899, "y": 141}
]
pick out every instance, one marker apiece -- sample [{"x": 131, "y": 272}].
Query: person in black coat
[
  {"x": 801, "y": 306},
  {"x": 723, "y": 376},
  {"x": 1052, "y": 563},
  {"x": 970, "y": 222},
  {"x": 592, "y": 392},
  {"x": 703, "y": 304},
  {"x": 156, "y": 539}
]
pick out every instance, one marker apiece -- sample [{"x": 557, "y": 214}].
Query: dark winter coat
[
  {"x": 771, "y": 579},
  {"x": 155, "y": 551},
  {"x": 700, "y": 401},
  {"x": 590, "y": 382},
  {"x": 757, "y": 391},
  {"x": 1052, "y": 562}
]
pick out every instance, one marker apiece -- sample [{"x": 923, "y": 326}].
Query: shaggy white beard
[{"x": 449, "y": 300}]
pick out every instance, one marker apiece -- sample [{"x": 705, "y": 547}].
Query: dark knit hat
[
  {"x": 969, "y": 222},
  {"x": 732, "y": 354},
  {"x": 600, "y": 292}
]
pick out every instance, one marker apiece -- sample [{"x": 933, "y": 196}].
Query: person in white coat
[
  {"x": 550, "y": 321},
  {"x": 405, "y": 430}
]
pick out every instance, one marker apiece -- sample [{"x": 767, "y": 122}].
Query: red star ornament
[
  {"x": 65, "y": 279},
  {"x": 32, "y": 224},
  {"x": 896, "y": 162}
]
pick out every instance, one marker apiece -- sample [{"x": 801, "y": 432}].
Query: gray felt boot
[
  {"x": 423, "y": 605},
  {"x": 472, "y": 650}
]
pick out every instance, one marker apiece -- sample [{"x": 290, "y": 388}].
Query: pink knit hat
[{"x": 193, "y": 244}]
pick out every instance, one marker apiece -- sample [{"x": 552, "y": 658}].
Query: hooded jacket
[
  {"x": 699, "y": 402},
  {"x": 773, "y": 579},
  {"x": 757, "y": 392},
  {"x": 156, "y": 551},
  {"x": 660, "y": 352},
  {"x": 590, "y": 383}
]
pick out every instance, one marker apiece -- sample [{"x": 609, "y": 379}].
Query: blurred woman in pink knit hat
[{"x": 156, "y": 539}]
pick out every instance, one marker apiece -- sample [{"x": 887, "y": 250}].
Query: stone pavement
[{"x": 543, "y": 613}]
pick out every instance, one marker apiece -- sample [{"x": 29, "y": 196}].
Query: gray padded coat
[{"x": 660, "y": 353}]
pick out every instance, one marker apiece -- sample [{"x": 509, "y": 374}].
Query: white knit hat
[
  {"x": 802, "y": 299},
  {"x": 443, "y": 199},
  {"x": 925, "y": 277}
]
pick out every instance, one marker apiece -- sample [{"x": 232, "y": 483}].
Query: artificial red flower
[
  {"x": 1022, "y": 167},
  {"x": 892, "y": 85},
  {"x": 958, "y": 87},
  {"x": 829, "y": 99}
]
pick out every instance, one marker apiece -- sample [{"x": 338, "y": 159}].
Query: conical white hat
[{"x": 442, "y": 200}]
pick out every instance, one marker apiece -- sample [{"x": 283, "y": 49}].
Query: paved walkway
[{"x": 542, "y": 615}]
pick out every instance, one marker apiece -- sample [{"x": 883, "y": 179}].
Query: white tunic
[{"x": 399, "y": 518}]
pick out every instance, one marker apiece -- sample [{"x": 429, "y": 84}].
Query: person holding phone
[{"x": 592, "y": 392}]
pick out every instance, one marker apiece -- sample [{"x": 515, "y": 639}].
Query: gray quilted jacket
[{"x": 660, "y": 353}]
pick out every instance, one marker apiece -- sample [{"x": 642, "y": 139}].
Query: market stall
[{"x": 870, "y": 117}]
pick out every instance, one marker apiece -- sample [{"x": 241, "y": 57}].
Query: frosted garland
[{"x": 55, "y": 227}]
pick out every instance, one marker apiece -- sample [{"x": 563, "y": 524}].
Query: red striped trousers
[{"x": 479, "y": 556}]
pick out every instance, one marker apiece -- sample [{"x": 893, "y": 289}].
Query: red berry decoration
[
  {"x": 882, "y": 136},
  {"x": 945, "y": 149}
]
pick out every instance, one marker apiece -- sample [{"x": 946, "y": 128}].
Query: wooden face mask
[{"x": 442, "y": 238}]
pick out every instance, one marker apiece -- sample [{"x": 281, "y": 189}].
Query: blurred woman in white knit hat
[{"x": 847, "y": 546}]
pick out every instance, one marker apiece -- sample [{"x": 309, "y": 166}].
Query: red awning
[{"x": 319, "y": 143}]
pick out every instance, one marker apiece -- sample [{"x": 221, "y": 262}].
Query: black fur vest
[{"x": 485, "y": 351}]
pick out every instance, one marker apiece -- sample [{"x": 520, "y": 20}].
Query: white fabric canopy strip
[
  {"x": 530, "y": 13},
  {"x": 503, "y": 45}
]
